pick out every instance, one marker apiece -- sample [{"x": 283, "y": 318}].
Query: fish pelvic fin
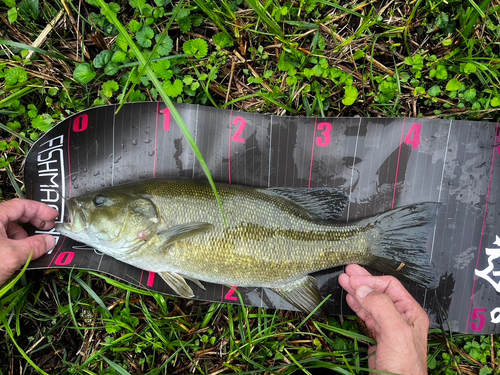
[
  {"x": 304, "y": 295},
  {"x": 401, "y": 251},
  {"x": 183, "y": 231},
  {"x": 323, "y": 203},
  {"x": 177, "y": 283}
]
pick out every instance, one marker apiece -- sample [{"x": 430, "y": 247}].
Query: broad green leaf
[
  {"x": 15, "y": 75},
  {"x": 10, "y": 3},
  {"x": 196, "y": 47},
  {"x": 495, "y": 102},
  {"x": 470, "y": 95},
  {"x": 222, "y": 40},
  {"x": 166, "y": 46},
  {"x": 111, "y": 69},
  {"x": 470, "y": 68},
  {"x": 476, "y": 106},
  {"x": 434, "y": 91},
  {"x": 453, "y": 85},
  {"x": 184, "y": 24},
  {"x": 144, "y": 37},
  {"x": 351, "y": 94},
  {"x": 119, "y": 56},
  {"x": 173, "y": 89},
  {"x": 83, "y": 73},
  {"x": 441, "y": 72},
  {"x": 161, "y": 68},
  {"x": 43, "y": 122},
  {"x": 137, "y": 4},
  {"x": 12, "y": 15},
  {"x": 134, "y": 26},
  {"x": 102, "y": 58},
  {"x": 109, "y": 87}
]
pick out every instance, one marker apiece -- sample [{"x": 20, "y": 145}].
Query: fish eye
[{"x": 99, "y": 200}]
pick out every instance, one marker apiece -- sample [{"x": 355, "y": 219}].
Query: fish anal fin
[
  {"x": 183, "y": 231},
  {"x": 322, "y": 203},
  {"x": 177, "y": 283},
  {"x": 304, "y": 295}
]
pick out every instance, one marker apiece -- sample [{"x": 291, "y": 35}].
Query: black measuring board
[{"x": 381, "y": 163}]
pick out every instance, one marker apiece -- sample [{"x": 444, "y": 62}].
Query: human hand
[
  {"x": 393, "y": 317},
  {"x": 15, "y": 245}
]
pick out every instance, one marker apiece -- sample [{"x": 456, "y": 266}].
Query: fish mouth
[{"x": 77, "y": 219}]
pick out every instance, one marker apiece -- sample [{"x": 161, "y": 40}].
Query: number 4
[{"x": 413, "y": 136}]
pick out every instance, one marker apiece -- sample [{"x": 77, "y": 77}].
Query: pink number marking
[
  {"x": 478, "y": 313},
  {"x": 151, "y": 279},
  {"x": 242, "y": 124},
  {"x": 80, "y": 123},
  {"x": 229, "y": 295},
  {"x": 325, "y": 138},
  {"x": 65, "y": 258},
  {"x": 413, "y": 136},
  {"x": 166, "y": 119}
]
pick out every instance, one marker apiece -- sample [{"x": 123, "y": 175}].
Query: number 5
[{"x": 478, "y": 313}]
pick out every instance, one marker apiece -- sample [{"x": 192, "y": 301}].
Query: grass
[{"x": 432, "y": 58}]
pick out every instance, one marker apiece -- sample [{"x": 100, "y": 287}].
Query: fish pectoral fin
[
  {"x": 177, "y": 283},
  {"x": 196, "y": 281},
  {"x": 182, "y": 231},
  {"x": 322, "y": 203},
  {"x": 304, "y": 295}
]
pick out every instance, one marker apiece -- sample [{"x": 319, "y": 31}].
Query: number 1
[{"x": 166, "y": 119}]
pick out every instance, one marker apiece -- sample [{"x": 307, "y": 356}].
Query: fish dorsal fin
[
  {"x": 319, "y": 203},
  {"x": 183, "y": 231},
  {"x": 304, "y": 295},
  {"x": 177, "y": 283}
]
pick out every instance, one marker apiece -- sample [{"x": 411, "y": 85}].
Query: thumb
[
  {"x": 380, "y": 307},
  {"x": 38, "y": 245}
]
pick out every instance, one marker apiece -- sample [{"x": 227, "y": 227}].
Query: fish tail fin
[{"x": 401, "y": 251}]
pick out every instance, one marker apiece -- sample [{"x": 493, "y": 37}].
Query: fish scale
[{"x": 274, "y": 238}]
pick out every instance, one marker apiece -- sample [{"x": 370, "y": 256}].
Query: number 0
[
  {"x": 65, "y": 258},
  {"x": 80, "y": 123}
]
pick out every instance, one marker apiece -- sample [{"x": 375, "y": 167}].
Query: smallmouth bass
[{"x": 275, "y": 237}]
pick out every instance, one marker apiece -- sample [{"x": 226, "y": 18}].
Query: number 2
[
  {"x": 230, "y": 294},
  {"x": 242, "y": 124},
  {"x": 478, "y": 313}
]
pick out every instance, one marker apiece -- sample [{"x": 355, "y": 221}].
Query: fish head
[{"x": 112, "y": 221}]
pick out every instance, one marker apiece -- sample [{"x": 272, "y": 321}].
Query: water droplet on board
[
  {"x": 134, "y": 142},
  {"x": 147, "y": 141},
  {"x": 151, "y": 153},
  {"x": 117, "y": 160},
  {"x": 96, "y": 173}
]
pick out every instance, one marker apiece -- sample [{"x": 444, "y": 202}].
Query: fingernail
[
  {"x": 42, "y": 224},
  {"x": 50, "y": 241},
  {"x": 363, "y": 291}
]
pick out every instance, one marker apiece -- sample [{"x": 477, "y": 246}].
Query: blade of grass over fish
[
  {"x": 149, "y": 60},
  {"x": 264, "y": 16},
  {"x": 112, "y": 17},
  {"x": 92, "y": 293},
  {"x": 34, "y": 49}
]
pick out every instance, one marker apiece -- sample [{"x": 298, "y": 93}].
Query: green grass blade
[
  {"x": 19, "y": 94},
  {"x": 329, "y": 3},
  {"x": 112, "y": 17},
  {"x": 23, "y": 353},
  {"x": 34, "y": 49},
  {"x": 208, "y": 7},
  {"x": 92, "y": 294},
  {"x": 8, "y": 130},
  {"x": 13, "y": 181},
  {"x": 115, "y": 366},
  {"x": 346, "y": 333},
  {"x": 266, "y": 18}
]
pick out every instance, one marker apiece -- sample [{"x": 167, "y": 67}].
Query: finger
[
  {"x": 381, "y": 308},
  {"x": 16, "y": 253},
  {"x": 39, "y": 214},
  {"x": 382, "y": 284},
  {"x": 15, "y": 231},
  {"x": 344, "y": 281},
  {"x": 356, "y": 270}
]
